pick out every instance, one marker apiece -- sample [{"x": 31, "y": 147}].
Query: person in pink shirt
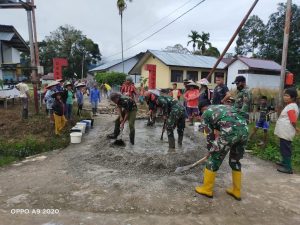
[{"x": 192, "y": 98}]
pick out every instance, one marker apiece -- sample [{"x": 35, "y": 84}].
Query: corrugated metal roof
[
  {"x": 6, "y": 36},
  {"x": 107, "y": 65},
  {"x": 16, "y": 41},
  {"x": 260, "y": 63},
  {"x": 186, "y": 60}
]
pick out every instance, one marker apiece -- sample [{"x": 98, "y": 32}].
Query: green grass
[{"x": 271, "y": 151}]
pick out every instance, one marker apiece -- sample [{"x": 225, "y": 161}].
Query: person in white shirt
[
  {"x": 24, "y": 95},
  {"x": 286, "y": 129}
]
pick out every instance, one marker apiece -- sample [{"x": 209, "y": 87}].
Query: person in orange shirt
[
  {"x": 175, "y": 93},
  {"x": 192, "y": 98},
  {"x": 128, "y": 88}
]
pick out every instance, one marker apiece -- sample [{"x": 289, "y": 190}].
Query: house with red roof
[{"x": 259, "y": 73}]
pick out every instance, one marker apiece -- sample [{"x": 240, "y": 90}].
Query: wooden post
[{"x": 285, "y": 52}]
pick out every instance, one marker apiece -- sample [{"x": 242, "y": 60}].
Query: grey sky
[{"x": 100, "y": 21}]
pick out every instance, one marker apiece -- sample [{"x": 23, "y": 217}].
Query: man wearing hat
[
  {"x": 24, "y": 95},
  {"x": 243, "y": 98},
  {"x": 58, "y": 109},
  {"x": 79, "y": 97},
  {"x": 127, "y": 111},
  {"x": 192, "y": 98},
  {"x": 128, "y": 88},
  {"x": 49, "y": 100},
  {"x": 68, "y": 92},
  {"x": 173, "y": 113},
  {"x": 150, "y": 98}
]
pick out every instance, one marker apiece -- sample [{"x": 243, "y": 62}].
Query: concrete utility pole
[{"x": 285, "y": 51}]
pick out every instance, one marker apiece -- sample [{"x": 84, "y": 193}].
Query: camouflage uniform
[
  {"x": 151, "y": 102},
  {"x": 243, "y": 102},
  {"x": 127, "y": 105},
  {"x": 233, "y": 135},
  {"x": 176, "y": 117}
]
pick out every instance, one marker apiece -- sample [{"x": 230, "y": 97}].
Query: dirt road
[{"x": 94, "y": 183}]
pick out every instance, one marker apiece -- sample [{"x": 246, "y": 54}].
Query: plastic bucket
[
  {"x": 196, "y": 126},
  {"x": 88, "y": 123},
  {"x": 76, "y": 137},
  {"x": 82, "y": 126},
  {"x": 91, "y": 120}
]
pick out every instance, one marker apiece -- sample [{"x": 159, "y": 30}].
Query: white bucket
[
  {"x": 196, "y": 126},
  {"x": 82, "y": 126},
  {"x": 76, "y": 137}
]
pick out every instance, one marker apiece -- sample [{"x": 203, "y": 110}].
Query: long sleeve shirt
[
  {"x": 79, "y": 96},
  {"x": 95, "y": 95}
]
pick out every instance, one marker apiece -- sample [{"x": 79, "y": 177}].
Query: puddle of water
[{"x": 147, "y": 140}]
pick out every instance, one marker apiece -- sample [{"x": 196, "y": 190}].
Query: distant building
[
  {"x": 116, "y": 66},
  {"x": 175, "y": 67},
  {"x": 11, "y": 44},
  {"x": 259, "y": 73}
]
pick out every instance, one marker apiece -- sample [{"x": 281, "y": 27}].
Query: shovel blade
[{"x": 182, "y": 169}]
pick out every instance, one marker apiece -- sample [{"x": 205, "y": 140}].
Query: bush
[{"x": 112, "y": 78}]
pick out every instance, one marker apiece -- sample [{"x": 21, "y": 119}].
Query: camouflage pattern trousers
[
  {"x": 176, "y": 118},
  {"x": 234, "y": 142}
]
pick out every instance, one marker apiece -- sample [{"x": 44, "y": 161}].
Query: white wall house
[
  {"x": 259, "y": 73},
  {"x": 117, "y": 66},
  {"x": 11, "y": 44}
]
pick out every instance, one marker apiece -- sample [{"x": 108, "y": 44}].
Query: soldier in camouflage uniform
[
  {"x": 174, "y": 113},
  {"x": 150, "y": 98},
  {"x": 227, "y": 132},
  {"x": 243, "y": 98},
  {"x": 127, "y": 111}
]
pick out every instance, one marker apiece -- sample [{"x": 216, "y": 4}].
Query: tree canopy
[
  {"x": 178, "y": 48},
  {"x": 68, "y": 42}
]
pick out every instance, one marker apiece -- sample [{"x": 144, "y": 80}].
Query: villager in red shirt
[
  {"x": 192, "y": 98},
  {"x": 175, "y": 93},
  {"x": 128, "y": 88}
]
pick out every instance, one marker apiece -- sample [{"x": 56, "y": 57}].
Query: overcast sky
[{"x": 100, "y": 21}]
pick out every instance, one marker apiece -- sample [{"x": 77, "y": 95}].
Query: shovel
[
  {"x": 185, "y": 168},
  {"x": 119, "y": 140}
]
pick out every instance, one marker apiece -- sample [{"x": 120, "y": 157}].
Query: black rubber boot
[
  {"x": 171, "y": 142},
  {"x": 131, "y": 137},
  {"x": 180, "y": 138},
  {"x": 112, "y": 136}
]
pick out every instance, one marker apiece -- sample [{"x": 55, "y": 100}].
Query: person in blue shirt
[
  {"x": 79, "y": 96},
  {"x": 95, "y": 98}
]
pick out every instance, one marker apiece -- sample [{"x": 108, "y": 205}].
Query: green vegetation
[
  {"x": 112, "y": 78},
  {"x": 271, "y": 151}
]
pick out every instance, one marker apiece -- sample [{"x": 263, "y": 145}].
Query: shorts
[
  {"x": 262, "y": 124},
  {"x": 192, "y": 111}
]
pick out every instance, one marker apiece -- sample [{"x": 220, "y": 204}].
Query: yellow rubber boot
[
  {"x": 208, "y": 184},
  {"x": 235, "y": 191}
]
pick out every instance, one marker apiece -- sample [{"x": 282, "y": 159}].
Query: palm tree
[
  {"x": 203, "y": 42},
  {"x": 121, "y": 4},
  {"x": 194, "y": 36}
]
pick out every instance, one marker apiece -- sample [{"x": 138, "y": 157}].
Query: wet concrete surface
[{"x": 95, "y": 183}]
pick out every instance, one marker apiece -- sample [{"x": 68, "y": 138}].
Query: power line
[
  {"x": 153, "y": 25},
  {"x": 151, "y": 35}
]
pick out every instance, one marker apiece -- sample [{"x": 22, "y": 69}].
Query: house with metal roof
[
  {"x": 259, "y": 73},
  {"x": 164, "y": 68},
  {"x": 11, "y": 44},
  {"x": 116, "y": 66}
]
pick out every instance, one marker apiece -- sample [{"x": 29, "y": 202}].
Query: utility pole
[
  {"x": 285, "y": 51},
  {"x": 122, "y": 44}
]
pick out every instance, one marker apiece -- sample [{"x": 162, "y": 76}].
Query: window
[
  {"x": 204, "y": 75},
  {"x": 192, "y": 75},
  {"x": 177, "y": 76},
  {"x": 219, "y": 74}
]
